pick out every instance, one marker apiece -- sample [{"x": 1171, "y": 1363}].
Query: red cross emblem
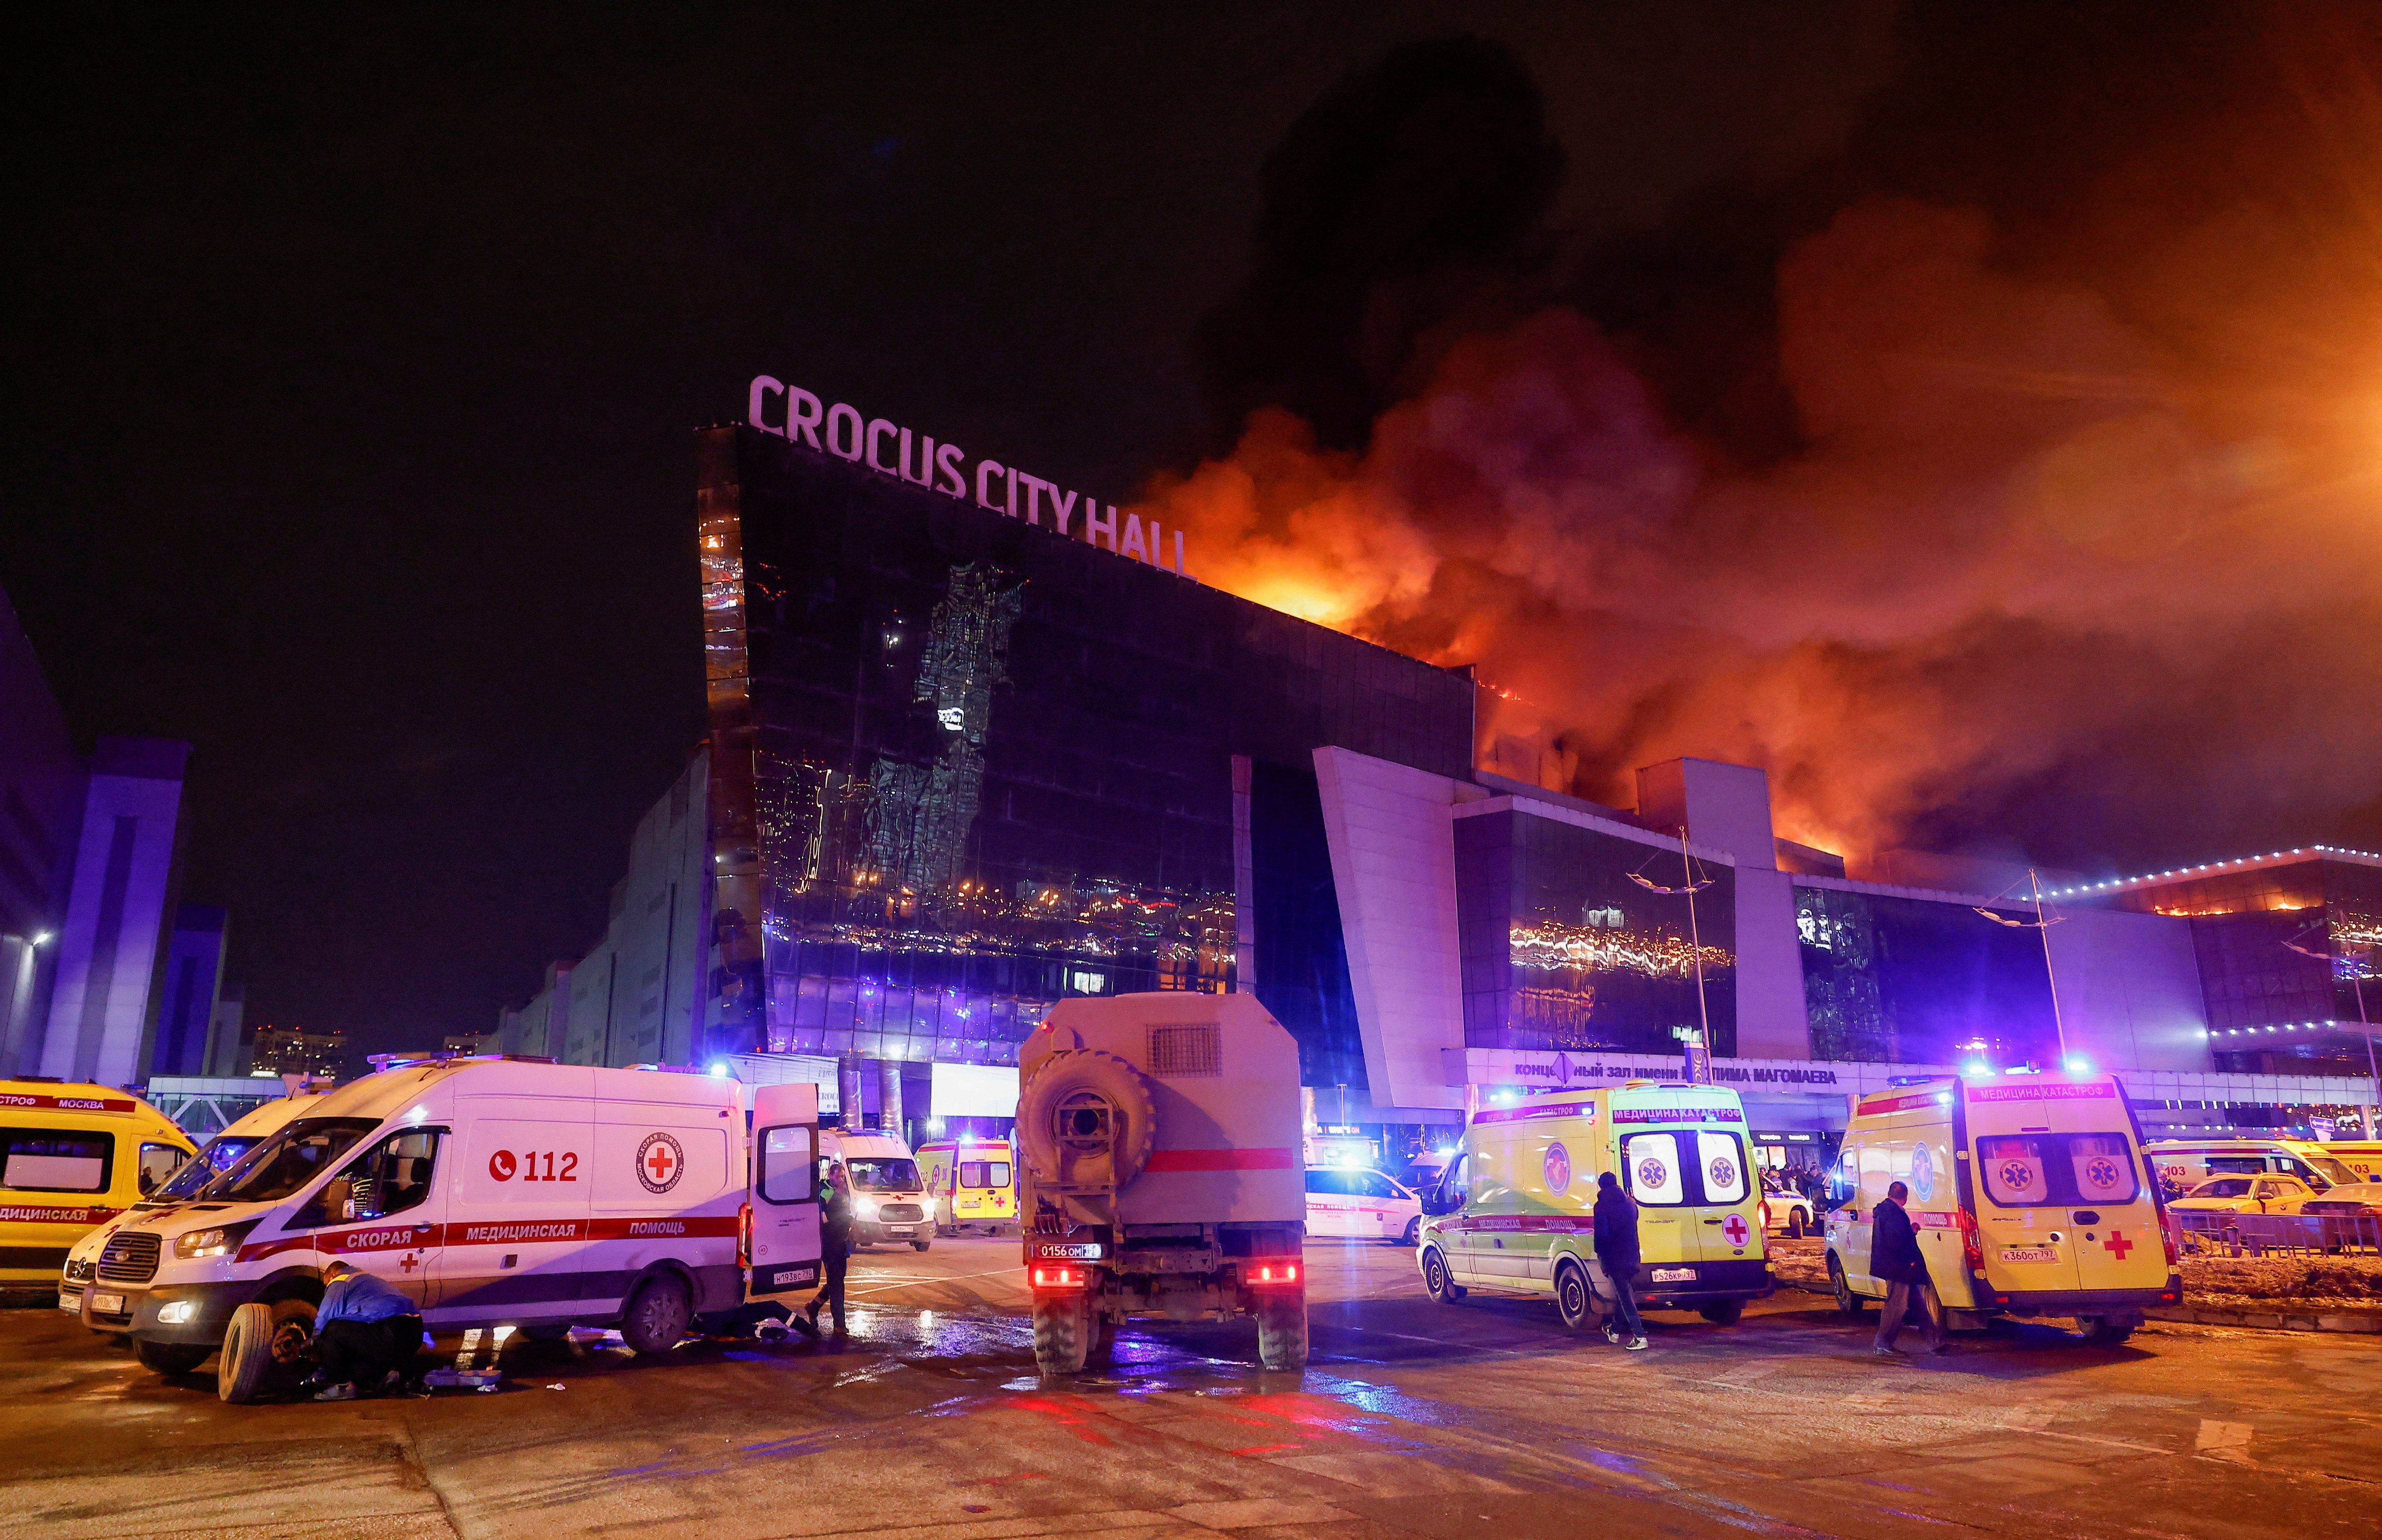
[
  {"x": 1734, "y": 1228},
  {"x": 410, "y": 1262},
  {"x": 2118, "y": 1245},
  {"x": 661, "y": 1163}
]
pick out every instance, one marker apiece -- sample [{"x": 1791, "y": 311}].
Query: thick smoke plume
[{"x": 2081, "y": 562}]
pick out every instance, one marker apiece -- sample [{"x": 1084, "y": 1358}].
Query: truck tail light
[
  {"x": 1973, "y": 1247},
  {"x": 1269, "y": 1274},
  {"x": 744, "y": 1235},
  {"x": 1059, "y": 1278}
]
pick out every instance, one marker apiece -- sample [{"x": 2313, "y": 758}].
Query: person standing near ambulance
[
  {"x": 1616, "y": 1252},
  {"x": 1896, "y": 1260},
  {"x": 835, "y": 1251}
]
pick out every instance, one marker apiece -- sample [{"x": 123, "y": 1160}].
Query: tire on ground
[
  {"x": 1847, "y": 1301},
  {"x": 1087, "y": 1078},
  {"x": 1063, "y": 1333},
  {"x": 1281, "y": 1329},
  {"x": 1794, "y": 1224},
  {"x": 1436, "y": 1281},
  {"x": 1723, "y": 1313},
  {"x": 171, "y": 1358},
  {"x": 657, "y": 1316},
  {"x": 246, "y": 1369},
  {"x": 1413, "y": 1236},
  {"x": 2109, "y": 1331},
  {"x": 920, "y": 1245},
  {"x": 1575, "y": 1300}
]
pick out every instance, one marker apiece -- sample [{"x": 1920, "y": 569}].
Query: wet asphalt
[{"x": 1483, "y": 1419}]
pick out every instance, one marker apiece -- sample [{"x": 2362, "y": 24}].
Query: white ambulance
[
  {"x": 888, "y": 1197},
  {"x": 2030, "y": 1195},
  {"x": 495, "y": 1192}
]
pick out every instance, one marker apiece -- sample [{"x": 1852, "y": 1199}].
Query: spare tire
[{"x": 1085, "y": 1120}]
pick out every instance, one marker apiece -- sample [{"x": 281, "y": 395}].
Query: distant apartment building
[{"x": 294, "y": 1051}]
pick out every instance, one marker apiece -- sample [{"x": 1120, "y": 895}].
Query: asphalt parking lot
[{"x": 1413, "y": 1419}]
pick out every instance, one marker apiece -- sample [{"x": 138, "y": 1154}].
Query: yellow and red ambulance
[
  {"x": 971, "y": 1183},
  {"x": 2030, "y": 1195},
  {"x": 73, "y": 1157}
]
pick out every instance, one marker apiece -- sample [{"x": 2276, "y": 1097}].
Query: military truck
[{"x": 1158, "y": 1137}]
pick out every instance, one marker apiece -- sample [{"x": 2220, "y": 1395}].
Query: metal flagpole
[{"x": 2043, "y": 921}]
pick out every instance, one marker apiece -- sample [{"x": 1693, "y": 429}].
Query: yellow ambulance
[
  {"x": 1514, "y": 1211},
  {"x": 969, "y": 1183},
  {"x": 71, "y": 1157},
  {"x": 2030, "y": 1195}
]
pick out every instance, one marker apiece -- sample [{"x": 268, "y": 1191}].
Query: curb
[{"x": 2365, "y": 1322}]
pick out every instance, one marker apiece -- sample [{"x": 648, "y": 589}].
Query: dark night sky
[{"x": 354, "y": 357}]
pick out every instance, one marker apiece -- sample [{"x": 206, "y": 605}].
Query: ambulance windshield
[
  {"x": 212, "y": 1162},
  {"x": 882, "y": 1175},
  {"x": 287, "y": 1160}
]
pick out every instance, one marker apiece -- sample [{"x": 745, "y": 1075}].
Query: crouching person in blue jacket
[{"x": 364, "y": 1332}]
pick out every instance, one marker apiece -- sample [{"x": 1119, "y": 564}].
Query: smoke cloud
[{"x": 2054, "y": 557}]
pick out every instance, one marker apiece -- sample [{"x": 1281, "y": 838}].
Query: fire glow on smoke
[{"x": 2029, "y": 541}]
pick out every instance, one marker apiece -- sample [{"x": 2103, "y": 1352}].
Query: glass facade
[
  {"x": 2245, "y": 926},
  {"x": 1907, "y": 981},
  {"x": 1561, "y": 948},
  {"x": 964, "y": 767}
]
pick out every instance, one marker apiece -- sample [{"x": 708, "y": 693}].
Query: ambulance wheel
[
  {"x": 1413, "y": 1236},
  {"x": 247, "y": 1367},
  {"x": 1435, "y": 1279},
  {"x": 658, "y": 1317},
  {"x": 2107, "y": 1331},
  {"x": 920, "y": 1245},
  {"x": 1574, "y": 1298},
  {"x": 1723, "y": 1313},
  {"x": 1847, "y": 1301},
  {"x": 1281, "y": 1329},
  {"x": 171, "y": 1358},
  {"x": 1063, "y": 1332}
]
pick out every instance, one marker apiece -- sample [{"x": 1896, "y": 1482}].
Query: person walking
[
  {"x": 1616, "y": 1239},
  {"x": 364, "y": 1330},
  {"x": 1896, "y": 1260},
  {"x": 835, "y": 1249}
]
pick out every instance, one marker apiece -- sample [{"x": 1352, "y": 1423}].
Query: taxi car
[{"x": 2268, "y": 1194}]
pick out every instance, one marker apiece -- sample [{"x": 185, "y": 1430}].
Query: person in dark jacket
[
  {"x": 364, "y": 1330},
  {"x": 1616, "y": 1252},
  {"x": 1896, "y": 1261},
  {"x": 835, "y": 1249}
]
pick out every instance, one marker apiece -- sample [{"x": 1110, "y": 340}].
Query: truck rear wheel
[
  {"x": 1281, "y": 1329},
  {"x": 171, "y": 1358},
  {"x": 658, "y": 1316},
  {"x": 1063, "y": 1333},
  {"x": 247, "y": 1368}
]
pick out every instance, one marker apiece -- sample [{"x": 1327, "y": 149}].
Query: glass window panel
[{"x": 1649, "y": 1163}]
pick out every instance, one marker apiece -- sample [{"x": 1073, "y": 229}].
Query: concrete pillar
[
  {"x": 847, "y": 1089},
  {"x": 889, "y": 1097}
]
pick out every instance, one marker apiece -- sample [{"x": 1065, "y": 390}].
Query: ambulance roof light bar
[{"x": 407, "y": 1061}]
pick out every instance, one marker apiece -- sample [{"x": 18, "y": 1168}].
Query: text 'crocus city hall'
[{"x": 981, "y": 741}]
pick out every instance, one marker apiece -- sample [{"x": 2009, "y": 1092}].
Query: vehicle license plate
[
  {"x": 70, "y": 1301},
  {"x": 1674, "y": 1275},
  {"x": 900, "y": 1229},
  {"x": 107, "y": 1305},
  {"x": 2030, "y": 1254},
  {"x": 1081, "y": 1250}
]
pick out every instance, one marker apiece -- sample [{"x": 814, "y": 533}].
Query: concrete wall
[
  {"x": 2129, "y": 989},
  {"x": 109, "y": 949},
  {"x": 1394, "y": 866},
  {"x": 41, "y": 791},
  {"x": 194, "y": 961}
]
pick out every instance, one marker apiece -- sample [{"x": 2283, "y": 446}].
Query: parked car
[
  {"x": 1784, "y": 1210},
  {"x": 1355, "y": 1204},
  {"x": 2245, "y": 1195},
  {"x": 2350, "y": 1217}
]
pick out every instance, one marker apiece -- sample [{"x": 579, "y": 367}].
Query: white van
[
  {"x": 1352, "y": 1203},
  {"x": 216, "y": 1157},
  {"x": 2184, "y": 1164},
  {"x": 888, "y": 1197},
  {"x": 494, "y": 1192}
]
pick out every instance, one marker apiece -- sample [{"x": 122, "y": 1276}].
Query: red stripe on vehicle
[
  {"x": 2055, "y": 1091},
  {"x": 1509, "y": 1224},
  {"x": 1221, "y": 1160},
  {"x": 1554, "y": 1109},
  {"x": 68, "y": 1103},
  {"x": 1902, "y": 1103},
  {"x": 364, "y": 1240},
  {"x": 33, "y": 1215}
]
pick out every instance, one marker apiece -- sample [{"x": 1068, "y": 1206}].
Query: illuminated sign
[{"x": 794, "y": 414}]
